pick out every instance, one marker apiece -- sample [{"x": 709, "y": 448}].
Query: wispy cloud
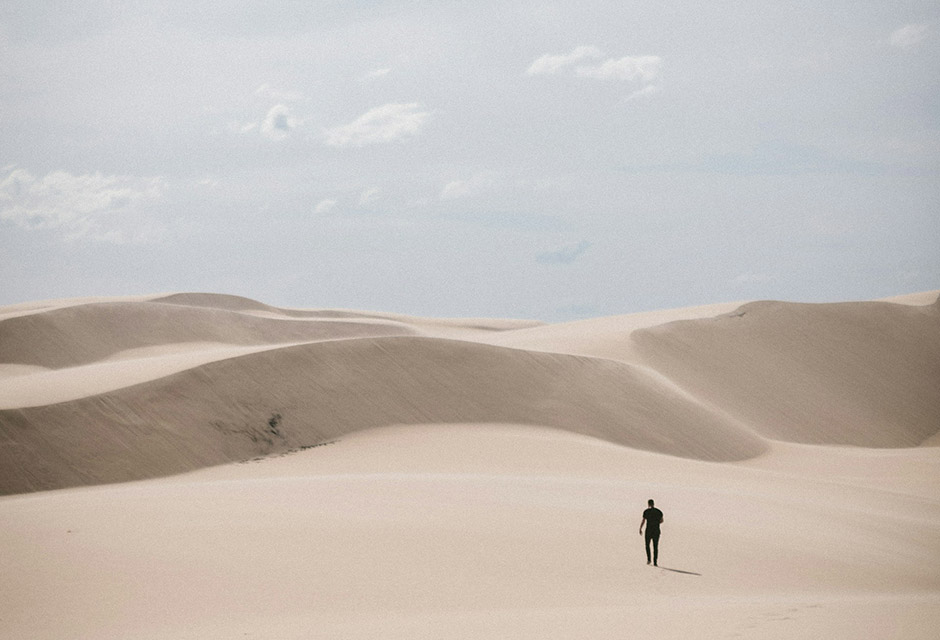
[
  {"x": 908, "y": 36},
  {"x": 455, "y": 189},
  {"x": 550, "y": 64},
  {"x": 279, "y": 122},
  {"x": 375, "y": 74},
  {"x": 565, "y": 255},
  {"x": 368, "y": 197},
  {"x": 628, "y": 68},
  {"x": 631, "y": 68},
  {"x": 384, "y": 124},
  {"x": 465, "y": 188},
  {"x": 93, "y": 206},
  {"x": 645, "y": 91},
  {"x": 325, "y": 206},
  {"x": 584, "y": 62}
]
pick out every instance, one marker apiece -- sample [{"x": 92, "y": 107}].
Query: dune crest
[
  {"x": 476, "y": 478},
  {"x": 137, "y": 388},
  {"x": 275, "y": 400},
  {"x": 82, "y": 334},
  {"x": 862, "y": 373}
]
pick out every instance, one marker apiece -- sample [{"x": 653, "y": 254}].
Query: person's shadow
[{"x": 688, "y": 573}]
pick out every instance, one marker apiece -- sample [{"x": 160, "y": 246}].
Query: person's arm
[{"x": 642, "y": 522}]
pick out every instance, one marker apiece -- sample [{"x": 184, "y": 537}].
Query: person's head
[{"x": 650, "y": 502}]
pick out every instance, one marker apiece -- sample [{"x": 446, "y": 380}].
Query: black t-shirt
[{"x": 653, "y": 517}]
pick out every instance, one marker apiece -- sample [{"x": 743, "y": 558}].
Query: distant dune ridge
[
  {"x": 215, "y": 379},
  {"x": 87, "y": 333}
]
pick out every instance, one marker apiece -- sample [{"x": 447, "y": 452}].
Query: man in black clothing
[{"x": 652, "y": 518}]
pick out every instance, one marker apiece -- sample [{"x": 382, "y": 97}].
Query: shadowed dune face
[
  {"x": 286, "y": 398},
  {"x": 713, "y": 388},
  {"x": 503, "y": 500},
  {"x": 864, "y": 374}
]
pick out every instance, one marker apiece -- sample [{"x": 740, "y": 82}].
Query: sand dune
[
  {"x": 81, "y": 334},
  {"x": 864, "y": 374},
  {"x": 278, "y": 399},
  {"x": 602, "y": 337},
  {"x": 33, "y": 386},
  {"x": 116, "y": 391},
  {"x": 64, "y": 350},
  {"x": 469, "y": 531},
  {"x": 477, "y": 477}
]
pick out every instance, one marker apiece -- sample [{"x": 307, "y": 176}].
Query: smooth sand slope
[
  {"x": 864, "y": 374},
  {"x": 478, "y": 478}
]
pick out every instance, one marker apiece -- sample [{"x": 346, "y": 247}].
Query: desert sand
[{"x": 207, "y": 466}]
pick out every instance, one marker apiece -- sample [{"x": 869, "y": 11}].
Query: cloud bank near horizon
[
  {"x": 92, "y": 206},
  {"x": 451, "y": 162}
]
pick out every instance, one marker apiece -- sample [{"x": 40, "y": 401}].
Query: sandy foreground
[{"x": 199, "y": 466}]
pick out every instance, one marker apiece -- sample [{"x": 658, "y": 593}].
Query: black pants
[{"x": 652, "y": 536}]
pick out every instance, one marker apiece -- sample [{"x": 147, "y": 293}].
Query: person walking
[{"x": 652, "y": 518}]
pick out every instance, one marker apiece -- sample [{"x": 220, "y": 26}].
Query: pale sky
[{"x": 548, "y": 160}]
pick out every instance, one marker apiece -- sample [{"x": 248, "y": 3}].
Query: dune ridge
[
  {"x": 862, "y": 374},
  {"x": 280, "y": 399},
  {"x": 483, "y": 477},
  {"x": 87, "y": 333},
  {"x": 264, "y": 380}
]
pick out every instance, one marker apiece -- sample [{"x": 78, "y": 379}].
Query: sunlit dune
[{"x": 201, "y": 465}]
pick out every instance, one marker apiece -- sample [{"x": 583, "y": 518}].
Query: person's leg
[
  {"x": 656, "y": 550},
  {"x": 649, "y": 558}
]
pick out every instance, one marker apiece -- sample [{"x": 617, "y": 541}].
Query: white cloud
[
  {"x": 325, "y": 206},
  {"x": 464, "y": 188},
  {"x": 279, "y": 122},
  {"x": 908, "y": 36},
  {"x": 645, "y": 91},
  {"x": 368, "y": 197},
  {"x": 383, "y": 124},
  {"x": 642, "y": 68},
  {"x": 91, "y": 206},
  {"x": 455, "y": 189},
  {"x": 376, "y": 74},
  {"x": 637, "y": 69},
  {"x": 550, "y": 64}
]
